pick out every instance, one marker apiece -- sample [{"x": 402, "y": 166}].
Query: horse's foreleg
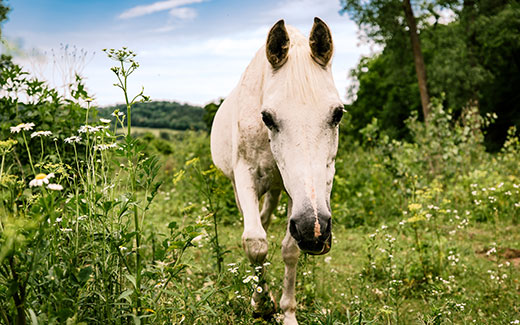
[
  {"x": 290, "y": 254},
  {"x": 271, "y": 199},
  {"x": 254, "y": 237}
]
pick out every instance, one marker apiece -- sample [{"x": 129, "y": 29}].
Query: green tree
[
  {"x": 471, "y": 59},
  {"x": 4, "y": 10},
  {"x": 388, "y": 21},
  {"x": 162, "y": 114},
  {"x": 210, "y": 111}
]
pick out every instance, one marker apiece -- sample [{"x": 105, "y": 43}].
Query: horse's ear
[
  {"x": 320, "y": 42},
  {"x": 277, "y": 47}
]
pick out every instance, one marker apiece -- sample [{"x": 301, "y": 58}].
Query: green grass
[{"x": 327, "y": 286}]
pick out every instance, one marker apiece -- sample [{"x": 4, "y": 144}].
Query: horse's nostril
[
  {"x": 329, "y": 226},
  {"x": 294, "y": 230}
]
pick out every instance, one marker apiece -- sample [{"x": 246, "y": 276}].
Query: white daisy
[
  {"x": 22, "y": 126},
  {"x": 72, "y": 139},
  {"x": 104, "y": 120},
  {"x": 41, "y": 134},
  {"x": 102, "y": 147},
  {"x": 41, "y": 179},
  {"x": 55, "y": 187}
]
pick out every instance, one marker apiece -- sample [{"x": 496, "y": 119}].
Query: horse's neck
[{"x": 251, "y": 85}]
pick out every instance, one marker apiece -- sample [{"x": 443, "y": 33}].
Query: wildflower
[
  {"x": 104, "y": 120},
  {"x": 491, "y": 251},
  {"x": 327, "y": 259},
  {"x": 259, "y": 289},
  {"x": 117, "y": 113},
  {"x": 22, "y": 126},
  {"x": 72, "y": 139},
  {"x": 7, "y": 146},
  {"x": 414, "y": 206},
  {"x": 102, "y": 147},
  {"x": 41, "y": 134},
  {"x": 41, "y": 179},
  {"x": 87, "y": 129},
  {"x": 248, "y": 278},
  {"x": 55, "y": 187}
]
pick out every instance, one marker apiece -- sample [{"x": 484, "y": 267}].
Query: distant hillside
[{"x": 162, "y": 114}]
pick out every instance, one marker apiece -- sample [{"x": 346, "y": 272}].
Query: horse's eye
[
  {"x": 269, "y": 121},
  {"x": 337, "y": 115}
]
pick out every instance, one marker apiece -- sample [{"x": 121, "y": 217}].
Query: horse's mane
[{"x": 302, "y": 78}]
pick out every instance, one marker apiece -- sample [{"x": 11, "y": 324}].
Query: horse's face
[{"x": 302, "y": 111}]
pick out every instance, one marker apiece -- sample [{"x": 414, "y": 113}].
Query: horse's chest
[{"x": 254, "y": 149}]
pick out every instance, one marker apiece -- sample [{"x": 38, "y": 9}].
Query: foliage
[
  {"x": 162, "y": 114},
  {"x": 210, "y": 111},
  {"x": 79, "y": 256},
  {"x": 471, "y": 60},
  {"x": 424, "y": 231},
  {"x": 4, "y": 10}
]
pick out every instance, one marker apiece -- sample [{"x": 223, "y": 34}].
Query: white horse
[{"x": 278, "y": 129}]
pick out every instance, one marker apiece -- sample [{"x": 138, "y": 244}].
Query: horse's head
[{"x": 302, "y": 110}]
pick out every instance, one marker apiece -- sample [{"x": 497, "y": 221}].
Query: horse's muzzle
[{"x": 312, "y": 238}]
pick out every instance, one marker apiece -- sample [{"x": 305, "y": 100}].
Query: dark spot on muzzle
[{"x": 303, "y": 230}]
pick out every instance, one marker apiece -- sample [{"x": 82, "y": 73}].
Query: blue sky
[{"x": 189, "y": 50}]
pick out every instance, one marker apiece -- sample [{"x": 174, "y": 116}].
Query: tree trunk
[{"x": 420, "y": 68}]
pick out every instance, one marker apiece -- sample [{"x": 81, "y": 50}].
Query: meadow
[{"x": 99, "y": 226}]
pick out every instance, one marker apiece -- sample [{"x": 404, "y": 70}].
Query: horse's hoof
[
  {"x": 264, "y": 305},
  {"x": 290, "y": 319}
]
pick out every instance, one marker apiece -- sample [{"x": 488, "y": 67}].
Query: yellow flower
[
  {"x": 415, "y": 219},
  {"x": 7, "y": 146},
  {"x": 414, "y": 206}
]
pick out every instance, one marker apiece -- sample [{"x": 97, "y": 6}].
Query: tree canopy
[
  {"x": 471, "y": 60},
  {"x": 162, "y": 114}
]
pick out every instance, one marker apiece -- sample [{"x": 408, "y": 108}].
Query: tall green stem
[
  {"x": 28, "y": 153},
  {"x": 2, "y": 168}
]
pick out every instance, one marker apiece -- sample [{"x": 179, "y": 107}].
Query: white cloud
[
  {"x": 171, "y": 5},
  {"x": 183, "y": 13}
]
